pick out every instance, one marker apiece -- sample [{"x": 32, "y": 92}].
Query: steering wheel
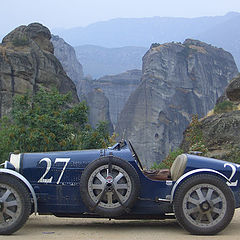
[{"x": 135, "y": 155}]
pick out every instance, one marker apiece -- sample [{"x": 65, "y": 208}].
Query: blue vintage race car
[{"x": 202, "y": 193}]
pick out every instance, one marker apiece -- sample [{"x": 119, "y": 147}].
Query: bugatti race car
[{"x": 202, "y": 193}]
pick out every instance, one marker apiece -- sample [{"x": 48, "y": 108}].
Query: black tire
[
  {"x": 15, "y": 204},
  {"x": 204, "y": 204},
  {"x": 117, "y": 193}
]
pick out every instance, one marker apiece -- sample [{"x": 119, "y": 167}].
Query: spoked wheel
[
  {"x": 15, "y": 205},
  {"x": 204, "y": 204},
  {"x": 109, "y": 186}
]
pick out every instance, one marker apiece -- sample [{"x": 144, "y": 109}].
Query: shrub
[
  {"x": 167, "y": 162},
  {"x": 45, "y": 122},
  {"x": 225, "y": 106}
]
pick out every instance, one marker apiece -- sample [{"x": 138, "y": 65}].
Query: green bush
[
  {"x": 45, "y": 122},
  {"x": 225, "y": 106},
  {"x": 167, "y": 162}
]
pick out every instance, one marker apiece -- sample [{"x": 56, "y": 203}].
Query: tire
[
  {"x": 109, "y": 186},
  {"x": 15, "y": 204},
  {"x": 204, "y": 204}
]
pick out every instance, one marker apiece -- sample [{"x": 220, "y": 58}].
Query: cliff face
[
  {"x": 27, "y": 62},
  {"x": 67, "y": 56},
  {"x": 98, "y": 108},
  {"x": 117, "y": 89},
  {"x": 178, "y": 80}
]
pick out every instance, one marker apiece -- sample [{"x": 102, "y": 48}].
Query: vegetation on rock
[
  {"x": 20, "y": 41},
  {"x": 225, "y": 106}
]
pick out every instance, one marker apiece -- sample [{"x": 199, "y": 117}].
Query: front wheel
[
  {"x": 204, "y": 204},
  {"x": 15, "y": 204},
  {"x": 109, "y": 186}
]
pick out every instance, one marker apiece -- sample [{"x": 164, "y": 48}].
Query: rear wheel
[
  {"x": 204, "y": 204},
  {"x": 15, "y": 204},
  {"x": 109, "y": 186}
]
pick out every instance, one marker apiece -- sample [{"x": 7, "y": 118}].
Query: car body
[{"x": 202, "y": 193}]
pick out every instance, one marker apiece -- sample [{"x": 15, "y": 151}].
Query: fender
[
  {"x": 25, "y": 181},
  {"x": 203, "y": 170}
]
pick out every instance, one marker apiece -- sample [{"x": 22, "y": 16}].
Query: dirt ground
[{"x": 50, "y": 227}]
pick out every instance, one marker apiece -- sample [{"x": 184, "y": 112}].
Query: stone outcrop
[
  {"x": 178, "y": 80},
  {"x": 221, "y": 132},
  {"x": 27, "y": 63},
  {"x": 233, "y": 89},
  {"x": 117, "y": 89},
  {"x": 65, "y": 53},
  {"x": 98, "y": 105}
]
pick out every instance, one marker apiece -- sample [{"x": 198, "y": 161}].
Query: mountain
[
  {"x": 121, "y": 32},
  {"x": 225, "y": 35},
  {"x": 220, "y": 31},
  {"x": 99, "y": 61},
  {"x": 178, "y": 80},
  {"x": 27, "y": 63}
]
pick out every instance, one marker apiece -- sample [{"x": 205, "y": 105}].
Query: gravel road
[{"x": 50, "y": 227}]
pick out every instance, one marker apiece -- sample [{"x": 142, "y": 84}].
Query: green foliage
[
  {"x": 45, "y": 122},
  {"x": 155, "y": 45},
  {"x": 194, "y": 136},
  {"x": 20, "y": 41},
  {"x": 225, "y": 106},
  {"x": 93, "y": 138},
  {"x": 167, "y": 162}
]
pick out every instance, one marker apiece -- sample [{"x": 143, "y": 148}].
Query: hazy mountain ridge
[
  {"x": 113, "y": 35},
  {"x": 121, "y": 32},
  {"x": 99, "y": 61}
]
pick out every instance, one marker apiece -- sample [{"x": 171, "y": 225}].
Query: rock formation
[
  {"x": 221, "y": 131},
  {"x": 178, "y": 80},
  {"x": 117, "y": 89},
  {"x": 98, "y": 105},
  {"x": 27, "y": 62},
  {"x": 67, "y": 56}
]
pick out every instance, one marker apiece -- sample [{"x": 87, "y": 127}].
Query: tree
[{"x": 48, "y": 122}]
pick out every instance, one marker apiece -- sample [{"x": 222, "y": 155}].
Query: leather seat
[
  {"x": 175, "y": 172},
  {"x": 178, "y": 167}
]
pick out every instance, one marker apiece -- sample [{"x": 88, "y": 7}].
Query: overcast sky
[{"x": 73, "y": 13}]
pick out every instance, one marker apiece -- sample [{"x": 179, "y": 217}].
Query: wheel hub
[
  {"x": 205, "y": 206},
  {"x": 109, "y": 179},
  {"x": 109, "y": 189}
]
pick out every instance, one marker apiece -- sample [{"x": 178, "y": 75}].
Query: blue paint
[{"x": 64, "y": 198}]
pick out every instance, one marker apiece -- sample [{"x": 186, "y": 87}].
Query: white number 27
[{"x": 48, "y": 167}]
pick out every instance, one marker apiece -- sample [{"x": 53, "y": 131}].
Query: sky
[{"x": 79, "y": 13}]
